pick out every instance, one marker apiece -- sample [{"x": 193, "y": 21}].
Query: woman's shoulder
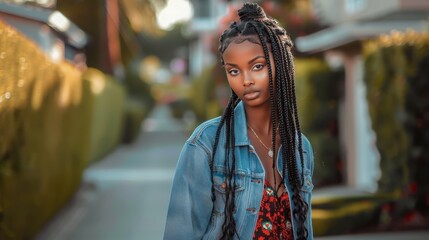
[{"x": 205, "y": 132}]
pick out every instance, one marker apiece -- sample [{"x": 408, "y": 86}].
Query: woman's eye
[
  {"x": 258, "y": 66},
  {"x": 233, "y": 72}
]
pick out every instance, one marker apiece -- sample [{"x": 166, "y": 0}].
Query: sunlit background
[{"x": 97, "y": 98}]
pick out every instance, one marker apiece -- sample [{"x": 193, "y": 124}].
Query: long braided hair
[{"x": 256, "y": 27}]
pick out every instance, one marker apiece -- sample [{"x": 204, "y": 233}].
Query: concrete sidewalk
[{"x": 125, "y": 196}]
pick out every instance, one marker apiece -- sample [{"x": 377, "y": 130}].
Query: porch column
[{"x": 362, "y": 158}]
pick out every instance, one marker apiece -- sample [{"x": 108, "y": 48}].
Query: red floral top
[{"x": 274, "y": 220}]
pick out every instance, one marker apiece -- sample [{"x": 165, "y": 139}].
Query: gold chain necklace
[{"x": 270, "y": 151}]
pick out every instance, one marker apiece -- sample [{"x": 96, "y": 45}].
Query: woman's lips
[{"x": 251, "y": 95}]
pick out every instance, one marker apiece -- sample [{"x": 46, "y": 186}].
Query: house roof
[
  {"x": 347, "y": 33},
  {"x": 57, "y": 21}
]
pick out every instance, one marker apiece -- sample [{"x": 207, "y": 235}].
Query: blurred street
[{"x": 125, "y": 195}]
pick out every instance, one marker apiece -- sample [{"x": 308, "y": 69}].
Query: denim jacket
[{"x": 193, "y": 215}]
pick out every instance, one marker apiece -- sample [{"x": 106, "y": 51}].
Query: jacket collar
[{"x": 240, "y": 126}]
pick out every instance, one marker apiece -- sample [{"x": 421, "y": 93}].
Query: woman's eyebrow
[
  {"x": 254, "y": 59},
  {"x": 231, "y": 64},
  {"x": 249, "y": 62}
]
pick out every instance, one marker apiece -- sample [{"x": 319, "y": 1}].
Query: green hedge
[
  {"x": 317, "y": 89},
  {"x": 334, "y": 215},
  {"x": 397, "y": 79},
  {"x": 209, "y": 93},
  {"x": 135, "y": 112},
  {"x": 51, "y": 120},
  {"x": 201, "y": 94},
  {"x": 43, "y": 166},
  {"x": 107, "y": 113}
]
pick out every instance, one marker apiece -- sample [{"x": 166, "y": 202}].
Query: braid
[
  {"x": 297, "y": 198},
  {"x": 292, "y": 124},
  {"x": 289, "y": 58},
  {"x": 279, "y": 60},
  {"x": 226, "y": 227},
  {"x": 302, "y": 206},
  {"x": 230, "y": 229},
  {"x": 229, "y": 225},
  {"x": 288, "y": 126},
  {"x": 226, "y": 114}
]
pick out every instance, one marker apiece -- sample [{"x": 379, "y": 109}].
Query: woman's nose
[{"x": 247, "y": 80}]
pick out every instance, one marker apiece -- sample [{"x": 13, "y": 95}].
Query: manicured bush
[
  {"x": 317, "y": 88},
  {"x": 201, "y": 93},
  {"x": 134, "y": 113},
  {"x": 107, "y": 113},
  {"x": 54, "y": 120},
  {"x": 397, "y": 80}
]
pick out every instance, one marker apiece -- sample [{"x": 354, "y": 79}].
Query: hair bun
[{"x": 251, "y": 11}]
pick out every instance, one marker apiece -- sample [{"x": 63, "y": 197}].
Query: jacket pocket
[{"x": 220, "y": 182}]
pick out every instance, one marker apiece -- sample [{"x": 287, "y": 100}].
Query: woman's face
[{"x": 247, "y": 72}]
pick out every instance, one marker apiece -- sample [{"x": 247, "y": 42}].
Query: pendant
[{"x": 270, "y": 153}]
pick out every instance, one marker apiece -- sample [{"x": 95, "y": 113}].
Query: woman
[{"x": 247, "y": 174}]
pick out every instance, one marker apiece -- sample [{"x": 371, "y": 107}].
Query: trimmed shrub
[
  {"x": 396, "y": 75},
  {"x": 317, "y": 89},
  {"x": 54, "y": 120}
]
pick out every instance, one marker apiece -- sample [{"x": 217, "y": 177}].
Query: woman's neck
[{"x": 259, "y": 119}]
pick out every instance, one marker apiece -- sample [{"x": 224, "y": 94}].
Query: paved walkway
[{"x": 125, "y": 195}]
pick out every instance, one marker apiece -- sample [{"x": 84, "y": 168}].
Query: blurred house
[
  {"x": 351, "y": 22},
  {"x": 54, "y": 33},
  {"x": 376, "y": 188}
]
